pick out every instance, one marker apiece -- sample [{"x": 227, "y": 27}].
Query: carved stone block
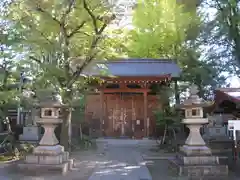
[
  {"x": 31, "y": 159},
  {"x": 51, "y": 159}
]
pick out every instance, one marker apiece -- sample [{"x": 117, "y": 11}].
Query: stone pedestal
[
  {"x": 195, "y": 159},
  {"x": 30, "y": 133},
  {"x": 49, "y": 137},
  {"x": 48, "y": 156},
  {"x": 47, "y": 159}
]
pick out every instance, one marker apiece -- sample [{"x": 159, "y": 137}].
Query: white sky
[{"x": 234, "y": 82}]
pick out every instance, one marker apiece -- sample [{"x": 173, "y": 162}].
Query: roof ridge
[
  {"x": 140, "y": 60},
  {"x": 228, "y": 89}
]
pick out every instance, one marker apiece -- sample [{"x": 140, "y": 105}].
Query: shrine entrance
[
  {"x": 124, "y": 107},
  {"x": 124, "y": 114}
]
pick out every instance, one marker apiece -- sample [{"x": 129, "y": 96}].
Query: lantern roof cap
[
  {"x": 193, "y": 101},
  {"x": 47, "y": 98}
]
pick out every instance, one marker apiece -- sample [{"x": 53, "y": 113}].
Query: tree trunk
[
  {"x": 80, "y": 129},
  {"x": 1, "y": 126},
  {"x": 9, "y": 128},
  {"x": 164, "y": 135},
  {"x": 174, "y": 134},
  {"x": 176, "y": 92},
  {"x": 65, "y": 136}
]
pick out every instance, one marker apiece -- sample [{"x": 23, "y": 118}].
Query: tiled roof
[
  {"x": 138, "y": 67},
  {"x": 231, "y": 94},
  {"x": 224, "y": 94}
]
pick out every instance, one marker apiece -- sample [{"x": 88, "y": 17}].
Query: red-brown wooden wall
[{"x": 118, "y": 107}]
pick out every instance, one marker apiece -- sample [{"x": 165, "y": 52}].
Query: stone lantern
[
  {"x": 49, "y": 154},
  {"x": 195, "y": 159},
  {"x": 49, "y": 119},
  {"x": 193, "y": 107}
]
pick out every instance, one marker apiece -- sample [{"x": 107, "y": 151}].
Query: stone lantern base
[
  {"x": 195, "y": 159},
  {"x": 197, "y": 162},
  {"x": 47, "y": 159}
]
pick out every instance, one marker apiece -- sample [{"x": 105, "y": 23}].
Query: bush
[{"x": 85, "y": 143}]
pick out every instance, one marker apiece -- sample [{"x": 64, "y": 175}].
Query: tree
[
  {"x": 166, "y": 116},
  {"x": 9, "y": 74},
  {"x": 160, "y": 31},
  {"x": 205, "y": 73},
  {"x": 63, "y": 39},
  {"x": 171, "y": 30},
  {"x": 223, "y": 34}
]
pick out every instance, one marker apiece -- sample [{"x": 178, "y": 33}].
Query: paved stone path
[
  {"x": 85, "y": 163},
  {"x": 111, "y": 163},
  {"x": 115, "y": 160},
  {"x": 122, "y": 163}
]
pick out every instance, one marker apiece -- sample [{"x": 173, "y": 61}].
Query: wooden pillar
[
  {"x": 145, "y": 113},
  {"x": 101, "y": 111}
]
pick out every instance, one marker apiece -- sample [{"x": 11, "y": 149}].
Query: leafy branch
[{"x": 97, "y": 37}]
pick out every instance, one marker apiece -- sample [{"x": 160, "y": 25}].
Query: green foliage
[
  {"x": 160, "y": 28},
  {"x": 79, "y": 110},
  {"x": 165, "y": 115},
  {"x": 86, "y": 143},
  {"x": 167, "y": 29},
  {"x": 62, "y": 40},
  {"x": 222, "y": 34},
  {"x": 203, "y": 72},
  {"x": 8, "y": 78},
  {"x": 9, "y": 74}
]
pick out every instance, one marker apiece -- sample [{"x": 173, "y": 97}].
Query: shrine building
[{"x": 123, "y": 105}]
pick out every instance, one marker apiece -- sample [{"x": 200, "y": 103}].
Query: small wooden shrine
[
  {"x": 124, "y": 103},
  {"x": 226, "y": 103}
]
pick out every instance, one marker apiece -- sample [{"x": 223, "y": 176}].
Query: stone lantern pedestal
[
  {"x": 49, "y": 156},
  {"x": 195, "y": 143},
  {"x": 194, "y": 158}
]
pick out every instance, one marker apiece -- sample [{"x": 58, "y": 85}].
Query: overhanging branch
[
  {"x": 96, "y": 38},
  {"x": 70, "y": 6},
  {"x": 68, "y": 10},
  {"x": 87, "y": 61},
  {"x": 42, "y": 34},
  {"x": 75, "y": 30},
  {"x": 93, "y": 17},
  {"x": 36, "y": 60},
  {"x": 39, "y": 9}
]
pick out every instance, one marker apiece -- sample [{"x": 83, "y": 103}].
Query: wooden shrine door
[{"x": 122, "y": 112}]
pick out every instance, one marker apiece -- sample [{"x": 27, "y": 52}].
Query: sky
[{"x": 234, "y": 82}]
